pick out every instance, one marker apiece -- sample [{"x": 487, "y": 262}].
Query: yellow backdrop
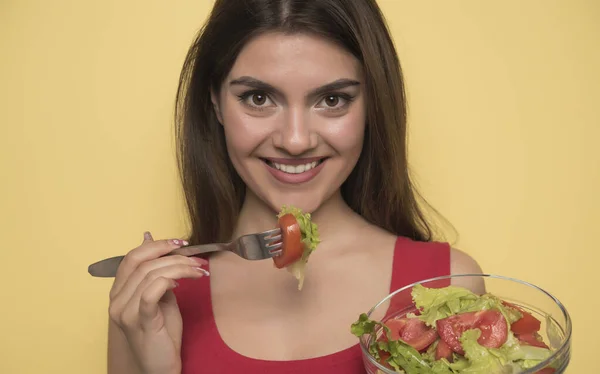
[{"x": 504, "y": 112}]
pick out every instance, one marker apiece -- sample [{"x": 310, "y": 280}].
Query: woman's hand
[{"x": 144, "y": 317}]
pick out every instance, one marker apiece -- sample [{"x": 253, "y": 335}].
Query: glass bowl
[{"x": 555, "y": 320}]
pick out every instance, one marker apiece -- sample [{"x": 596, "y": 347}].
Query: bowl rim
[{"x": 561, "y": 350}]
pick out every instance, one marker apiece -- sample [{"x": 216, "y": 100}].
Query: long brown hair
[{"x": 379, "y": 188}]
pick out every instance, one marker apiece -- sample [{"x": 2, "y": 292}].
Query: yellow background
[{"x": 504, "y": 99}]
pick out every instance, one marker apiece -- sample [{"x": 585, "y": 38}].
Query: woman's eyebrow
[
  {"x": 333, "y": 86},
  {"x": 263, "y": 86}
]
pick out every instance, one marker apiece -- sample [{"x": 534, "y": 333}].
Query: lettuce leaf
[
  {"x": 511, "y": 357},
  {"x": 404, "y": 357},
  {"x": 525, "y": 356},
  {"x": 310, "y": 238},
  {"x": 363, "y": 326},
  {"x": 489, "y": 302},
  {"x": 439, "y": 303},
  {"x": 481, "y": 359}
]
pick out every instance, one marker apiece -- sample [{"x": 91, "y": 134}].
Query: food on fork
[
  {"x": 455, "y": 331},
  {"x": 300, "y": 237}
]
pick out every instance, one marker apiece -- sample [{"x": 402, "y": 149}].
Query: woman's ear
[{"x": 215, "y": 102}]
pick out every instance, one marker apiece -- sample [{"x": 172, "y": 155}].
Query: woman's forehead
[{"x": 297, "y": 60}]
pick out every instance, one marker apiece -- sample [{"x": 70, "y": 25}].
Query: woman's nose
[{"x": 296, "y": 135}]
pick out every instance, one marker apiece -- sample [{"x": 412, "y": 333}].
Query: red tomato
[
  {"x": 383, "y": 356},
  {"x": 395, "y": 325},
  {"x": 546, "y": 371},
  {"x": 291, "y": 239},
  {"x": 527, "y": 324},
  {"x": 413, "y": 331},
  {"x": 443, "y": 350},
  {"x": 533, "y": 339},
  {"x": 491, "y": 323}
]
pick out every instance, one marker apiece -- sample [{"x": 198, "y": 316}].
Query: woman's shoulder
[{"x": 463, "y": 263}]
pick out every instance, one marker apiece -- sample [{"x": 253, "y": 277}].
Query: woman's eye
[
  {"x": 259, "y": 99},
  {"x": 334, "y": 102},
  {"x": 256, "y": 100}
]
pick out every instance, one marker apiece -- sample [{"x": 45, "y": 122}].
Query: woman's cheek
[
  {"x": 244, "y": 132},
  {"x": 345, "y": 133}
]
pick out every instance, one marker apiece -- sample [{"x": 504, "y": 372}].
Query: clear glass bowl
[{"x": 545, "y": 307}]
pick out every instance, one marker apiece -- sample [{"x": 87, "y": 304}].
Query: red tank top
[{"x": 203, "y": 351}]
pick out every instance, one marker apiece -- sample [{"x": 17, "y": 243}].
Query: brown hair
[{"x": 379, "y": 188}]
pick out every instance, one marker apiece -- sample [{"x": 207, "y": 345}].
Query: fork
[{"x": 259, "y": 246}]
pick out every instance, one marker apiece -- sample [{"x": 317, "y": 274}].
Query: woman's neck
[{"x": 333, "y": 217}]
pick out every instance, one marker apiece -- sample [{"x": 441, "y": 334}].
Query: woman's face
[{"x": 293, "y": 112}]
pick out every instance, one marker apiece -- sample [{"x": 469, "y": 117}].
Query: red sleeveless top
[{"x": 204, "y": 352}]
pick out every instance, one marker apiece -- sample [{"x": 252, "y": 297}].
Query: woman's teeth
[{"x": 295, "y": 169}]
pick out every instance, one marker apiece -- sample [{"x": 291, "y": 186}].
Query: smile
[{"x": 294, "y": 171}]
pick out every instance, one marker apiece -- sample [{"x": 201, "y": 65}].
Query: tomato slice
[
  {"x": 443, "y": 350},
  {"x": 533, "y": 339},
  {"x": 527, "y": 324},
  {"x": 383, "y": 356},
  {"x": 413, "y": 331},
  {"x": 491, "y": 323},
  {"x": 546, "y": 371},
  {"x": 291, "y": 238}
]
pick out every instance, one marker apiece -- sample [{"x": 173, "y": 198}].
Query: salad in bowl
[{"x": 437, "y": 326}]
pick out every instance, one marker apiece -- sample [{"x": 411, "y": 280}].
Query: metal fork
[{"x": 259, "y": 246}]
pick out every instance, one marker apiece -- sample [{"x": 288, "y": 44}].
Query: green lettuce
[
  {"x": 511, "y": 357},
  {"x": 489, "y": 302},
  {"x": 404, "y": 357},
  {"x": 481, "y": 359},
  {"x": 525, "y": 356},
  {"x": 439, "y": 303},
  {"x": 363, "y": 326},
  {"x": 310, "y": 238}
]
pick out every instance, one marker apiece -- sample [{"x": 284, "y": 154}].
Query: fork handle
[
  {"x": 108, "y": 267},
  {"x": 194, "y": 250}
]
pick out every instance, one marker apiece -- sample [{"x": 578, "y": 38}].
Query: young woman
[{"x": 281, "y": 102}]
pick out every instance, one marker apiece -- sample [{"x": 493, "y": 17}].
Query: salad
[
  {"x": 456, "y": 331},
  {"x": 300, "y": 237}
]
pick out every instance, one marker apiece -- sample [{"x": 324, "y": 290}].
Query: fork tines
[{"x": 273, "y": 242}]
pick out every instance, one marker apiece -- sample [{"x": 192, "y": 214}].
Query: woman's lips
[
  {"x": 294, "y": 161},
  {"x": 294, "y": 171}
]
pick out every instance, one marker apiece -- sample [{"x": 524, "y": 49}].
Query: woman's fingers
[
  {"x": 126, "y": 291},
  {"x": 142, "y": 306},
  {"x": 149, "y": 302},
  {"x": 149, "y": 250},
  {"x": 148, "y": 237}
]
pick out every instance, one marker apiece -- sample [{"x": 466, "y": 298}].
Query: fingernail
[
  {"x": 185, "y": 242},
  {"x": 175, "y": 241},
  {"x": 203, "y": 271},
  {"x": 199, "y": 260},
  {"x": 175, "y": 284},
  {"x": 147, "y": 235}
]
